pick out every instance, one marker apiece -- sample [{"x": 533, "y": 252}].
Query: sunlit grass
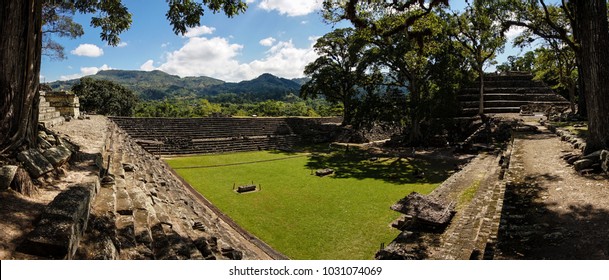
[{"x": 342, "y": 216}]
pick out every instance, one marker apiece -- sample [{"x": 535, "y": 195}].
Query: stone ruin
[
  {"x": 324, "y": 172},
  {"x": 175, "y": 136},
  {"x": 421, "y": 209},
  {"x": 507, "y": 93},
  {"x": 57, "y": 107}
]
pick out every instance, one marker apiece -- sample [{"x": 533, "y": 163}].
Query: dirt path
[{"x": 550, "y": 212}]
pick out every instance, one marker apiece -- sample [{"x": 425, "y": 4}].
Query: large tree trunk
[
  {"x": 481, "y": 105},
  {"x": 415, "y": 136},
  {"x": 593, "y": 33},
  {"x": 20, "y": 53}
]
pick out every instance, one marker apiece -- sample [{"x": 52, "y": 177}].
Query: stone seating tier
[{"x": 172, "y": 136}]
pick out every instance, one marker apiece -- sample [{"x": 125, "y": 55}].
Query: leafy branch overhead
[{"x": 113, "y": 17}]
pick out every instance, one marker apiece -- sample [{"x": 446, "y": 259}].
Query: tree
[
  {"x": 592, "y": 33},
  {"x": 556, "y": 65},
  {"x": 335, "y": 73},
  {"x": 105, "y": 97},
  {"x": 57, "y": 21},
  {"x": 525, "y": 63},
  {"x": 409, "y": 62},
  {"x": 584, "y": 29},
  {"x": 21, "y": 50},
  {"x": 554, "y": 24},
  {"x": 481, "y": 36}
]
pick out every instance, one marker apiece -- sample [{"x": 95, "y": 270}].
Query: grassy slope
[{"x": 344, "y": 216}]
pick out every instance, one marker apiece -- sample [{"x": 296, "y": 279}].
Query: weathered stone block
[
  {"x": 324, "y": 172},
  {"x": 605, "y": 160},
  {"x": 583, "y": 164},
  {"x": 61, "y": 225},
  {"x": 57, "y": 156},
  {"x": 7, "y": 174},
  {"x": 35, "y": 163},
  {"x": 595, "y": 156}
]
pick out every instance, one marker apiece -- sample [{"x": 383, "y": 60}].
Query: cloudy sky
[{"x": 272, "y": 36}]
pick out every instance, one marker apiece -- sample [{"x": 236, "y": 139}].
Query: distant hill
[
  {"x": 301, "y": 81},
  {"x": 156, "y": 85}
]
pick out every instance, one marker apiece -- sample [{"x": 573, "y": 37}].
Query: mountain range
[{"x": 158, "y": 85}]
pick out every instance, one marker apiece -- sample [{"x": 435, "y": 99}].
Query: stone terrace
[
  {"x": 506, "y": 93},
  {"x": 146, "y": 212},
  {"x": 173, "y": 136}
]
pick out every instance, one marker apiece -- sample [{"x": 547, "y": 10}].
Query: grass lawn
[
  {"x": 578, "y": 128},
  {"x": 342, "y": 216}
]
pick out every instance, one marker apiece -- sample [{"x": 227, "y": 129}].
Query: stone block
[
  {"x": 57, "y": 156},
  {"x": 7, "y": 174},
  {"x": 35, "y": 163},
  {"x": 595, "y": 156},
  {"x": 324, "y": 172},
  {"x": 57, "y": 234},
  {"x": 583, "y": 164},
  {"x": 605, "y": 160}
]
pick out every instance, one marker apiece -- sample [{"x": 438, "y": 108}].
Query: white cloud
[
  {"x": 267, "y": 42},
  {"x": 164, "y": 45},
  {"x": 514, "y": 31},
  {"x": 198, "y": 31},
  {"x": 214, "y": 57},
  {"x": 85, "y": 71},
  {"x": 122, "y": 44},
  {"x": 89, "y": 50},
  {"x": 148, "y": 65},
  {"x": 284, "y": 60},
  {"x": 291, "y": 7},
  {"x": 218, "y": 58}
]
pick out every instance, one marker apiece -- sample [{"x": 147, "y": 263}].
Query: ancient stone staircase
[
  {"x": 47, "y": 114},
  {"x": 505, "y": 93},
  {"x": 143, "y": 211}
]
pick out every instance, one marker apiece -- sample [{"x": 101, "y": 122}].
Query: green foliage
[
  {"x": 57, "y": 21},
  {"x": 189, "y": 108},
  {"x": 335, "y": 74},
  {"x": 525, "y": 63},
  {"x": 413, "y": 60},
  {"x": 479, "y": 32},
  {"x": 105, "y": 97}
]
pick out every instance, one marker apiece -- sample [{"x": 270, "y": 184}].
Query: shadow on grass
[{"x": 398, "y": 170}]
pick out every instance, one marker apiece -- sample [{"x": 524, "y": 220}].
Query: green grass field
[{"x": 342, "y": 216}]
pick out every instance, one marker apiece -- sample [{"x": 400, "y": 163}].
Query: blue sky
[{"x": 272, "y": 36}]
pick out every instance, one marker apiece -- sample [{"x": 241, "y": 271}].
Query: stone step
[
  {"x": 510, "y": 77},
  {"x": 48, "y": 115},
  {"x": 539, "y": 97},
  {"x": 124, "y": 205},
  {"x": 521, "y": 90},
  {"x": 52, "y": 122}
]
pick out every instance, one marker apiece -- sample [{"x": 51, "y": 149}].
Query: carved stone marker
[{"x": 246, "y": 188}]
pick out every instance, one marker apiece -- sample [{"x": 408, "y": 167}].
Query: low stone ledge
[
  {"x": 57, "y": 234},
  {"x": 35, "y": 163}
]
